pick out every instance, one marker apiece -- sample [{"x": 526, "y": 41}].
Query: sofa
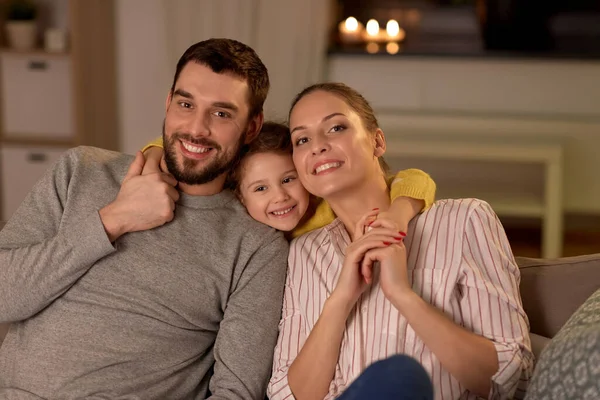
[{"x": 552, "y": 291}]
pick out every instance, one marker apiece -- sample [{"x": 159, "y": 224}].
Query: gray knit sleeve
[
  {"x": 40, "y": 256},
  {"x": 248, "y": 332}
]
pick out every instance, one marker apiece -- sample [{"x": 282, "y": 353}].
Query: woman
[{"x": 447, "y": 295}]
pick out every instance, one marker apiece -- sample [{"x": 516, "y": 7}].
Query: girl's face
[
  {"x": 333, "y": 152},
  {"x": 271, "y": 191}
]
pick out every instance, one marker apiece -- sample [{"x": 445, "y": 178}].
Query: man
[{"x": 120, "y": 285}]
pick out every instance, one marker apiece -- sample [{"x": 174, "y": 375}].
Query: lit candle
[
  {"x": 372, "y": 29},
  {"x": 394, "y": 32},
  {"x": 373, "y": 33},
  {"x": 350, "y": 30}
]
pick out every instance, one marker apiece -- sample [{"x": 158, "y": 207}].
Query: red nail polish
[
  {"x": 402, "y": 234},
  {"x": 398, "y": 238},
  {"x": 375, "y": 209},
  {"x": 387, "y": 243}
]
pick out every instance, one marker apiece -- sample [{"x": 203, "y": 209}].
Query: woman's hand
[
  {"x": 355, "y": 278},
  {"x": 393, "y": 275},
  {"x": 154, "y": 158}
]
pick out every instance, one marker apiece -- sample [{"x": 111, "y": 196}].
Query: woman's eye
[
  {"x": 338, "y": 128},
  {"x": 301, "y": 141}
]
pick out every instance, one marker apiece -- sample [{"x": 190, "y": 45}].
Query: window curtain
[{"x": 290, "y": 36}]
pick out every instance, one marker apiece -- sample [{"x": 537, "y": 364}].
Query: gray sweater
[{"x": 156, "y": 316}]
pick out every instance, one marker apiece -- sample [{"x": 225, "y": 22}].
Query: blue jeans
[{"x": 399, "y": 377}]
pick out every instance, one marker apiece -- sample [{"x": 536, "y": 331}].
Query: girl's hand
[
  {"x": 154, "y": 159},
  {"x": 388, "y": 220}
]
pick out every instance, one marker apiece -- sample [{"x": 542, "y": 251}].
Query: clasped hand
[{"x": 376, "y": 242}]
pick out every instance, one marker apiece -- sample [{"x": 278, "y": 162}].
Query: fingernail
[
  {"x": 387, "y": 243},
  {"x": 398, "y": 238},
  {"x": 375, "y": 209},
  {"x": 402, "y": 234},
  {"x": 369, "y": 224}
]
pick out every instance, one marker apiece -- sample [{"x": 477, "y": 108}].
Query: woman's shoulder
[
  {"x": 463, "y": 207},
  {"x": 317, "y": 238}
]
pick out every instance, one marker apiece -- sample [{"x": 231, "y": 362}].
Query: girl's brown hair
[
  {"x": 274, "y": 137},
  {"x": 354, "y": 100}
]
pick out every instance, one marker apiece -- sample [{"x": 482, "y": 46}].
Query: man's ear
[
  {"x": 254, "y": 127},
  {"x": 380, "y": 143},
  {"x": 168, "y": 101}
]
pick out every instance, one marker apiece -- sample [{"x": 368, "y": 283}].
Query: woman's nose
[{"x": 320, "y": 145}]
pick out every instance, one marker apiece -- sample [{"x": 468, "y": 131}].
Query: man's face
[{"x": 205, "y": 124}]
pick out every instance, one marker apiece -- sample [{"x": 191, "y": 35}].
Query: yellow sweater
[{"x": 412, "y": 183}]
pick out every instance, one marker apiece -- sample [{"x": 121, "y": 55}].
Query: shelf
[
  {"x": 38, "y": 141},
  {"x": 522, "y": 205},
  {"x": 38, "y": 52},
  {"x": 471, "y": 150}
]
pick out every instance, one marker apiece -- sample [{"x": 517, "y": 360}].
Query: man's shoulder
[
  {"x": 90, "y": 154},
  {"x": 255, "y": 232}
]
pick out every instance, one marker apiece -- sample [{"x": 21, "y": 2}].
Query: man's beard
[{"x": 222, "y": 162}]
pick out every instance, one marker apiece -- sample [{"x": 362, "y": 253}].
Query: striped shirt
[{"x": 459, "y": 260}]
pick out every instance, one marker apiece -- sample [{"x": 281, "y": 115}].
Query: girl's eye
[
  {"x": 301, "y": 141},
  {"x": 260, "y": 189},
  {"x": 288, "y": 179},
  {"x": 338, "y": 128}
]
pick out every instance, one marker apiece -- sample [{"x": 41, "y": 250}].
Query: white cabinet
[
  {"x": 21, "y": 167},
  {"x": 37, "y": 96}
]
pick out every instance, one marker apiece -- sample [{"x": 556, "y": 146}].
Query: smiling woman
[{"x": 359, "y": 291}]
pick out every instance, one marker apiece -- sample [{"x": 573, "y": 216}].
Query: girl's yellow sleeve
[
  {"x": 155, "y": 143},
  {"x": 412, "y": 183}
]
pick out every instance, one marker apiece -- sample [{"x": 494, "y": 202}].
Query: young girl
[{"x": 266, "y": 182}]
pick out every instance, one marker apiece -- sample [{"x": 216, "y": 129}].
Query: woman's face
[
  {"x": 333, "y": 153},
  {"x": 271, "y": 191}
]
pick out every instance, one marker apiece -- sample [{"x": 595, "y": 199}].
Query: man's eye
[
  {"x": 185, "y": 104},
  {"x": 222, "y": 114}
]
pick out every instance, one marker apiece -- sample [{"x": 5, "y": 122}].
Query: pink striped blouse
[{"x": 459, "y": 260}]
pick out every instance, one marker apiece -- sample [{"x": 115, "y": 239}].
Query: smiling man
[{"x": 120, "y": 285}]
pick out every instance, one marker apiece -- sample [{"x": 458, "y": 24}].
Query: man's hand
[{"x": 143, "y": 202}]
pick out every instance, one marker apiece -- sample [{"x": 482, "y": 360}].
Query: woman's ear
[{"x": 380, "y": 144}]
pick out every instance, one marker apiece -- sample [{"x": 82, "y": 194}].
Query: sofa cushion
[
  {"x": 569, "y": 367},
  {"x": 553, "y": 289}
]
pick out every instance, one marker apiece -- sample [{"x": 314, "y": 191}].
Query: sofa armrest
[{"x": 552, "y": 290}]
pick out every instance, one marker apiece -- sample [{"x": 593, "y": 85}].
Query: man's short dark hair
[{"x": 230, "y": 56}]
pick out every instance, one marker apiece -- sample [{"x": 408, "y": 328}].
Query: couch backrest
[{"x": 553, "y": 289}]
